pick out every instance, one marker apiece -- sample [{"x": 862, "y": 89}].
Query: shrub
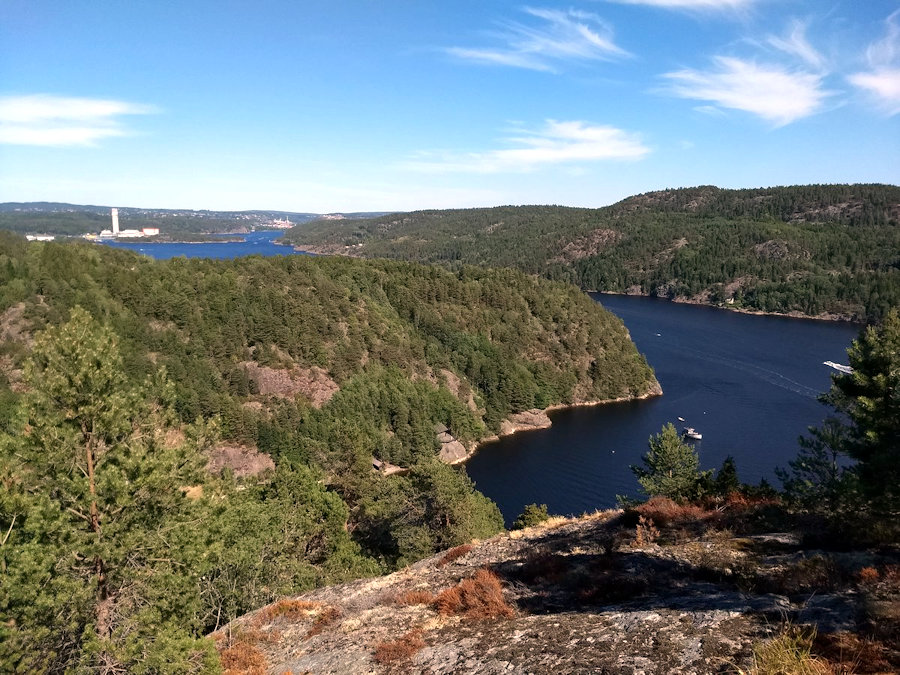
[
  {"x": 664, "y": 511},
  {"x": 816, "y": 573},
  {"x": 532, "y": 515},
  {"x": 671, "y": 468},
  {"x": 328, "y": 616},
  {"x": 849, "y": 653},
  {"x": 645, "y": 532},
  {"x": 414, "y": 598},
  {"x": 401, "y": 649},
  {"x": 290, "y": 610},
  {"x": 868, "y": 575},
  {"x": 479, "y": 597},
  {"x": 453, "y": 554},
  {"x": 243, "y": 658},
  {"x": 542, "y": 564}
]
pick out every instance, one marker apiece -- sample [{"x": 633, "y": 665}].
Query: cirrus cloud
[
  {"x": 691, "y": 4},
  {"x": 557, "y": 142},
  {"x": 773, "y": 92},
  {"x": 882, "y": 81},
  {"x": 561, "y": 36},
  {"x": 59, "y": 121}
]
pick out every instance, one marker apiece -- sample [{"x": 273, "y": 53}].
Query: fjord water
[
  {"x": 254, "y": 243},
  {"x": 747, "y": 383}
]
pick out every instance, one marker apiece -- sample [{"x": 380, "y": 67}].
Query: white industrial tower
[{"x": 115, "y": 222}]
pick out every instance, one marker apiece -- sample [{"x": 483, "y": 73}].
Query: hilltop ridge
[{"x": 825, "y": 251}]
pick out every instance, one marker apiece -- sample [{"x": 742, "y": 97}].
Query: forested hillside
[
  {"x": 819, "y": 249},
  {"x": 123, "y": 377}
]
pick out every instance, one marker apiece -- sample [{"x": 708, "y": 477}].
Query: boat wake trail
[{"x": 767, "y": 375}]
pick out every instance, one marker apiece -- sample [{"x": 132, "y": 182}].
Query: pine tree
[
  {"x": 869, "y": 398},
  {"x": 671, "y": 467},
  {"x": 819, "y": 476},
  {"x": 92, "y": 501},
  {"x": 727, "y": 480}
]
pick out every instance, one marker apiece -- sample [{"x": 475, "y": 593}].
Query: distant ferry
[
  {"x": 691, "y": 432},
  {"x": 838, "y": 367}
]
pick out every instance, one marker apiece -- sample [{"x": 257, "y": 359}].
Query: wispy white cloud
[
  {"x": 796, "y": 44},
  {"x": 566, "y": 142},
  {"x": 882, "y": 81},
  {"x": 559, "y": 37},
  {"x": 41, "y": 119},
  {"x": 691, "y": 4},
  {"x": 776, "y": 94}
]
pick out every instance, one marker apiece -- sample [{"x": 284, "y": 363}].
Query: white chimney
[{"x": 115, "y": 221}]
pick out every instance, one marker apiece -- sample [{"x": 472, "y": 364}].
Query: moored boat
[{"x": 691, "y": 432}]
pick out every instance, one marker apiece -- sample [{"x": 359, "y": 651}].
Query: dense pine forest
[
  {"x": 812, "y": 250},
  {"x": 123, "y": 381}
]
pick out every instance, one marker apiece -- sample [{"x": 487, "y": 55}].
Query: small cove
[{"x": 748, "y": 383}]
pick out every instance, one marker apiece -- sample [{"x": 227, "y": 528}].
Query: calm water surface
[
  {"x": 254, "y": 243},
  {"x": 747, "y": 383}
]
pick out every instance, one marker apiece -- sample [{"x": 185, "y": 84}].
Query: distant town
[{"x": 44, "y": 221}]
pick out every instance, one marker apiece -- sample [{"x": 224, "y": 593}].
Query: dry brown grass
[
  {"x": 401, "y": 649},
  {"x": 849, "y": 653},
  {"x": 453, "y": 554},
  {"x": 814, "y": 574},
  {"x": 479, "y": 597},
  {"x": 243, "y": 658},
  {"x": 891, "y": 575},
  {"x": 414, "y": 598},
  {"x": 664, "y": 512},
  {"x": 541, "y": 564},
  {"x": 645, "y": 532},
  {"x": 290, "y": 610},
  {"x": 868, "y": 575},
  {"x": 328, "y": 616}
]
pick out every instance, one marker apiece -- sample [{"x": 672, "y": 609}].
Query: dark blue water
[
  {"x": 747, "y": 383},
  {"x": 254, "y": 243}
]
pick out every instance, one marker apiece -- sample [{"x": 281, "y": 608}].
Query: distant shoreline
[{"x": 794, "y": 314}]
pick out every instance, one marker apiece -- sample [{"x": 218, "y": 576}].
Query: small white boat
[
  {"x": 681, "y": 419},
  {"x": 838, "y": 367},
  {"x": 691, "y": 432}
]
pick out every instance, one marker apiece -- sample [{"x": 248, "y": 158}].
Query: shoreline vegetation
[
  {"x": 824, "y": 316},
  {"x": 794, "y": 314},
  {"x": 520, "y": 422},
  {"x": 815, "y": 251}
]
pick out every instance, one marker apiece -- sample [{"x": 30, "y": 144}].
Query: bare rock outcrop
[
  {"x": 590, "y": 595},
  {"x": 525, "y": 421},
  {"x": 313, "y": 383},
  {"x": 243, "y": 460},
  {"x": 452, "y": 450}
]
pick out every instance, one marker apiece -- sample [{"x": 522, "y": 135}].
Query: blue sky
[{"x": 403, "y": 104}]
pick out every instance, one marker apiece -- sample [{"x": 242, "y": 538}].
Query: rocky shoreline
[{"x": 537, "y": 418}]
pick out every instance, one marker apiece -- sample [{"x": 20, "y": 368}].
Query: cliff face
[{"x": 599, "y": 594}]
